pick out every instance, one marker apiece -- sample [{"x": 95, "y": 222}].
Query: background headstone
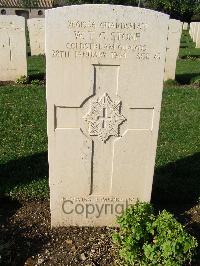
[
  {"x": 197, "y": 41},
  {"x": 13, "y": 63},
  {"x": 195, "y": 31},
  {"x": 173, "y": 44},
  {"x": 105, "y": 70},
  {"x": 36, "y": 35},
  {"x": 191, "y": 29},
  {"x": 185, "y": 26}
]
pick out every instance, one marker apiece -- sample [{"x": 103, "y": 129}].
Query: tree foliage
[
  {"x": 115, "y": 2},
  {"x": 30, "y": 3},
  {"x": 178, "y": 9}
]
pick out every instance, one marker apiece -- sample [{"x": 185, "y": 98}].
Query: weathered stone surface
[
  {"x": 36, "y": 35},
  {"x": 105, "y": 70},
  {"x": 194, "y": 31},
  {"x": 191, "y": 29},
  {"x": 197, "y": 41},
  {"x": 13, "y": 63},
  {"x": 173, "y": 44},
  {"x": 185, "y": 26}
]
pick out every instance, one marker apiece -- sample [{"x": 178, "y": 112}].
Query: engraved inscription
[
  {"x": 104, "y": 118},
  {"x": 106, "y": 39},
  {"x": 10, "y": 53}
]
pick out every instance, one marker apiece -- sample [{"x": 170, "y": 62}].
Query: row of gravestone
[
  {"x": 105, "y": 68},
  {"x": 13, "y": 45},
  {"x": 195, "y": 33},
  {"x": 36, "y": 29},
  {"x": 185, "y": 26}
]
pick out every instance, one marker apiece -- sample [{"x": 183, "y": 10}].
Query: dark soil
[
  {"x": 27, "y": 239},
  {"x": 5, "y": 83}
]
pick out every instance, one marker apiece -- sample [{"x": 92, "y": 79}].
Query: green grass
[
  {"x": 187, "y": 47},
  {"x": 179, "y": 126},
  {"x": 186, "y": 41},
  {"x": 189, "y": 53},
  {"x": 177, "y": 177},
  {"x": 23, "y": 160},
  {"x": 36, "y": 67},
  {"x": 187, "y": 71}
]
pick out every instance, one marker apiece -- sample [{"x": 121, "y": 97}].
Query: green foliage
[
  {"x": 171, "y": 82},
  {"x": 147, "y": 239},
  {"x": 22, "y": 80},
  {"x": 23, "y": 160},
  {"x": 30, "y": 3},
  {"x": 116, "y": 2},
  {"x": 37, "y": 82},
  {"x": 179, "y": 9}
]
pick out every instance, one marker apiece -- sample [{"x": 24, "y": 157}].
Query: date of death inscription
[{"x": 112, "y": 40}]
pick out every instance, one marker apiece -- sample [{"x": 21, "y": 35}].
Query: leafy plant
[
  {"x": 37, "y": 82},
  {"x": 147, "y": 239},
  {"x": 22, "y": 80},
  {"x": 171, "y": 82}
]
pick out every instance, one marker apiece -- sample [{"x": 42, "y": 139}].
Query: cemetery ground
[{"x": 26, "y": 237}]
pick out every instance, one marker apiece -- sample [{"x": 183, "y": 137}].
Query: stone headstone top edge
[{"x": 106, "y": 6}]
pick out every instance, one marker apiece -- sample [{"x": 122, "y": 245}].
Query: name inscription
[{"x": 112, "y": 40}]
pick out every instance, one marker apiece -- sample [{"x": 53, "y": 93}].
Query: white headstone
[
  {"x": 195, "y": 31},
  {"x": 198, "y": 36},
  {"x": 185, "y": 26},
  {"x": 173, "y": 44},
  {"x": 36, "y": 35},
  {"x": 191, "y": 29},
  {"x": 13, "y": 63},
  {"x": 105, "y": 70}
]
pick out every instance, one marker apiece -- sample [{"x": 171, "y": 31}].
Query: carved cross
[{"x": 104, "y": 120}]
